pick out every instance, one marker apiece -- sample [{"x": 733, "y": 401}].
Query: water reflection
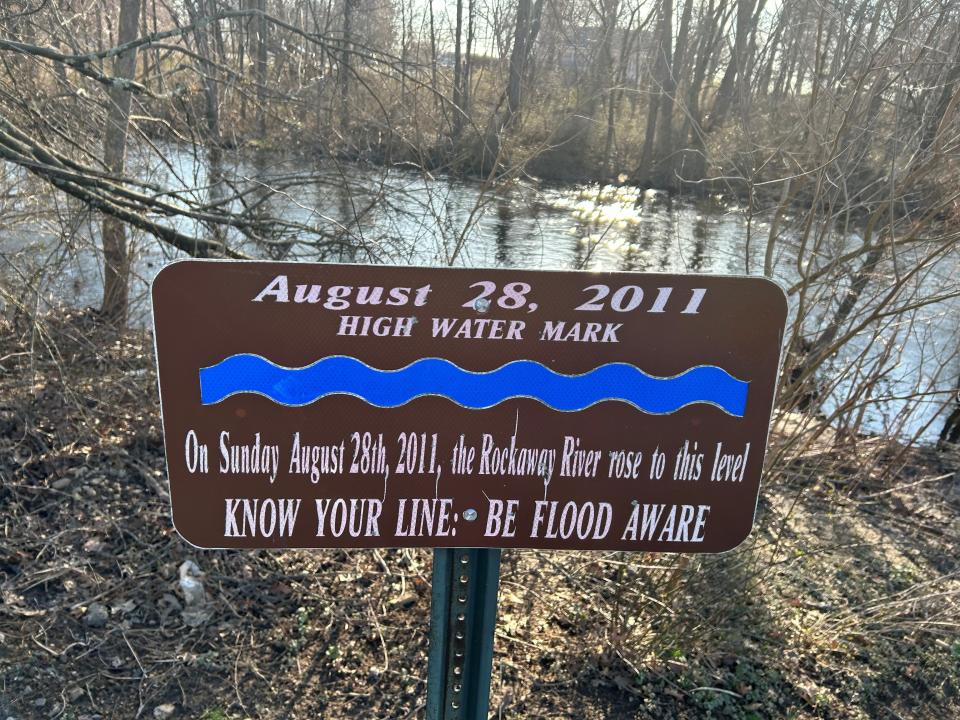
[
  {"x": 262, "y": 207},
  {"x": 348, "y": 213},
  {"x": 341, "y": 248},
  {"x": 216, "y": 192},
  {"x": 695, "y": 262},
  {"x": 503, "y": 231}
]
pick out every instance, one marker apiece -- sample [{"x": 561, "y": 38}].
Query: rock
[
  {"x": 61, "y": 483},
  {"x": 162, "y": 712},
  {"x": 74, "y": 693},
  {"x": 191, "y": 584},
  {"x": 96, "y": 615}
]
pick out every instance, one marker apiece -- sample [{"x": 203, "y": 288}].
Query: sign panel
[{"x": 309, "y": 405}]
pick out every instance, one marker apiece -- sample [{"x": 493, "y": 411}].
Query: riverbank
[{"x": 843, "y": 604}]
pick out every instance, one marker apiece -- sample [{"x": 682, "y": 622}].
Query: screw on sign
[{"x": 322, "y": 406}]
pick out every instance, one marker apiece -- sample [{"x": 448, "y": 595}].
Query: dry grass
[{"x": 843, "y": 604}]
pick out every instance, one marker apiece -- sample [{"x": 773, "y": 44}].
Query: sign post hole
[
  {"x": 463, "y": 615},
  {"x": 464, "y": 410}
]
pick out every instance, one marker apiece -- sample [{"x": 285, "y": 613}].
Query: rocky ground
[{"x": 843, "y": 604}]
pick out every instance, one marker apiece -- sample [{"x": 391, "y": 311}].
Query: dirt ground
[{"x": 843, "y": 604}]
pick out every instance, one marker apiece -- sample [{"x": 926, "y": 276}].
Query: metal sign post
[{"x": 463, "y": 616}]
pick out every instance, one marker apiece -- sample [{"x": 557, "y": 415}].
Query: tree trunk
[
  {"x": 730, "y": 84},
  {"x": 694, "y": 166},
  {"x": 948, "y": 92},
  {"x": 243, "y": 38},
  {"x": 518, "y": 60},
  {"x": 763, "y": 82},
  {"x": 439, "y": 105},
  {"x": 525, "y": 34},
  {"x": 810, "y": 125},
  {"x": 467, "y": 76},
  {"x": 197, "y": 10},
  {"x": 659, "y": 83},
  {"x": 681, "y": 54},
  {"x": 613, "y": 102},
  {"x": 643, "y": 173},
  {"x": 822, "y": 346},
  {"x": 343, "y": 77},
  {"x": 663, "y": 175},
  {"x": 116, "y": 252},
  {"x": 262, "y": 70},
  {"x": 787, "y": 60},
  {"x": 458, "y": 93}
]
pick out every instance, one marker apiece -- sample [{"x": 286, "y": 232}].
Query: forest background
[{"x": 815, "y": 143}]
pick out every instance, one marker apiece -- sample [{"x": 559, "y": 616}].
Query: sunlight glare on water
[{"x": 361, "y": 214}]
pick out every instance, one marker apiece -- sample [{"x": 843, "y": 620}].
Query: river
[{"x": 399, "y": 215}]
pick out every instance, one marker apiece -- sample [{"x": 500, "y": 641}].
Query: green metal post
[{"x": 463, "y": 616}]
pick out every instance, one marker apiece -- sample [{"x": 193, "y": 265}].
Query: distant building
[{"x": 447, "y": 60}]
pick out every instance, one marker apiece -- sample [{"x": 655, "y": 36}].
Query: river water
[{"x": 349, "y": 213}]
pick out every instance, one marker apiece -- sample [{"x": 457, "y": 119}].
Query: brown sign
[{"x": 311, "y": 405}]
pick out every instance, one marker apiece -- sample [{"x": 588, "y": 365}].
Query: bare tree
[{"x": 116, "y": 248}]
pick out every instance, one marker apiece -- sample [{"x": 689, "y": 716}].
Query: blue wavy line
[{"x": 341, "y": 375}]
